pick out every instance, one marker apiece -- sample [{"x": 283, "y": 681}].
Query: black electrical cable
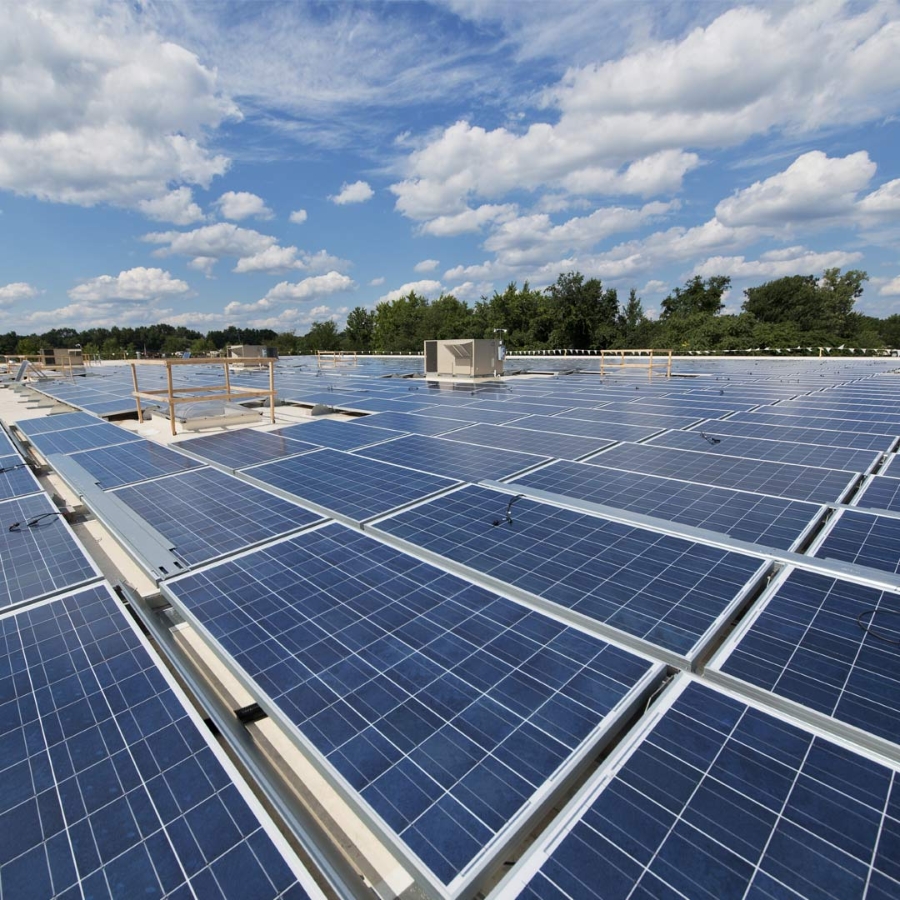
[
  {"x": 867, "y": 626},
  {"x": 509, "y": 520},
  {"x": 10, "y": 468},
  {"x": 31, "y": 523},
  {"x": 710, "y": 439}
]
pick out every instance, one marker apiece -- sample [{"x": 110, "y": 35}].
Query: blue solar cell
[
  {"x": 206, "y": 513},
  {"x": 664, "y": 589},
  {"x": 881, "y": 492},
  {"x": 608, "y": 431},
  {"x": 347, "y": 484},
  {"x": 38, "y": 552},
  {"x": 802, "y": 435},
  {"x": 409, "y": 423},
  {"x": 759, "y": 476},
  {"x": 768, "y": 417},
  {"x": 135, "y": 461},
  {"x": 386, "y": 404},
  {"x": 723, "y": 800},
  {"x": 16, "y": 478},
  {"x": 238, "y": 449},
  {"x": 633, "y": 414},
  {"x": 508, "y": 437},
  {"x": 490, "y": 414},
  {"x": 59, "y": 422},
  {"x": 108, "y": 785},
  {"x": 81, "y": 438},
  {"x": 447, "y": 708},
  {"x": 863, "y": 539},
  {"x": 771, "y": 521},
  {"x": 773, "y": 450},
  {"x": 826, "y": 644},
  {"x": 336, "y": 435},
  {"x": 465, "y": 462}
]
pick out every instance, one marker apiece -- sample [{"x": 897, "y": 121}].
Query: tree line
[{"x": 574, "y": 312}]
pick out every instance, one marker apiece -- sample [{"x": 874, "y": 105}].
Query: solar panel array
[
  {"x": 455, "y": 659},
  {"x": 447, "y": 709},
  {"x": 109, "y": 783},
  {"x": 665, "y": 590},
  {"x": 720, "y": 799},
  {"x": 206, "y": 513}
]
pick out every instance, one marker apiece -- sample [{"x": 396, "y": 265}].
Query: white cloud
[
  {"x": 635, "y": 124},
  {"x": 468, "y": 220},
  {"x": 134, "y": 284},
  {"x": 777, "y": 263},
  {"x": 97, "y": 108},
  {"x": 377, "y": 282},
  {"x": 814, "y": 186},
  {"x": 426, "y": 265},
  {"x": 272, "y": 259},
  {"x": 358, "y": 192},
  {"x": 884, "y": 202},
  {"x": 177, "y": 207},
  {"x": 311, "y": 288},
  {"x": 532, "y": 239},
  {"x": 323, "y": 261},
  {"x": 890, "y": 288},
  {"x": 298, "y": 216},
  {"x": 430, "y": 289},
  {"x": 654, "y": 286},
  {"x": 17, "y": 290},
  {"x": 470, "y": 291},
  {"x": 215, "y": 241},
  {"x": 239, "y": 205}
]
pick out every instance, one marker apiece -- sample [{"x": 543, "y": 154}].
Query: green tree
[
  {"x": 794, "y": 298},
  {"x": 398, "y": 324},
  {"x": 698, "y": 296},
  {"x": 444, "y": 319},
  {"x": 584, "y": 314},
  {"x": 839, "y": 293},
  {"x": 360, "y": 329},
  {"x": 321, "y": 336}
]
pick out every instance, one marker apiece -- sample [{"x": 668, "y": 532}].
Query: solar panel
[
  {"x": 880, "y": 492},
  {"x": 827, "y": 644},
  {"x": 409, "y": 423},
  {"x": 803, "y": 435},
  {"x": 346, "y": 484},
  {"x": 237, "y": 449},
  {"x": 605, "y": 431},
  {"x": 848, "y": 417},
  {"x": 771, "y": 521},
  {"x": 448, "y": 710},
  {"x": 386, "y": 404},
  {"x": 720, "y": 799},
  {"x": 765, "y": 417},
  {"x": 773, "y": 450},
  {"x": 82, "y": 438},
  {"x": 523, "y": 407},
  {"x": 665, "y": 590},
  {"x": 633, "y": 414},
  {"x": 59, "y": 422},
  {"x": 336, "y": 435},
  {"x": 759, "y": 476},
  {"x": 465, "y": 462},
  {"x": 508, "y": 437},
  {"x": 16, "y": 479},
  {"x": 135, "y": 461},
  {"x": 891, "y": 467},
  {"x": 488, "y": 414},
  {"x": 206, "y": 513},
  {"x": 39, "y": 554},
  {"x": 111, "y": 785},
  {"x": 863, "y": 539}
]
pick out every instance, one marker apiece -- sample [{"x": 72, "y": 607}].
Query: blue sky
[{"x": 271, "y": 164}]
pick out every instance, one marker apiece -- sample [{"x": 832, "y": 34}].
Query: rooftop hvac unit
[{"x": 464, "y": 357}]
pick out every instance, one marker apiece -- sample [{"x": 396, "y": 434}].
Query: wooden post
[
  {"x": 137, "y": 400},
  {"x": 227, "y": 380},
  {"x": 171, "y": 395},
  {"x": 272, "y": 390}
]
